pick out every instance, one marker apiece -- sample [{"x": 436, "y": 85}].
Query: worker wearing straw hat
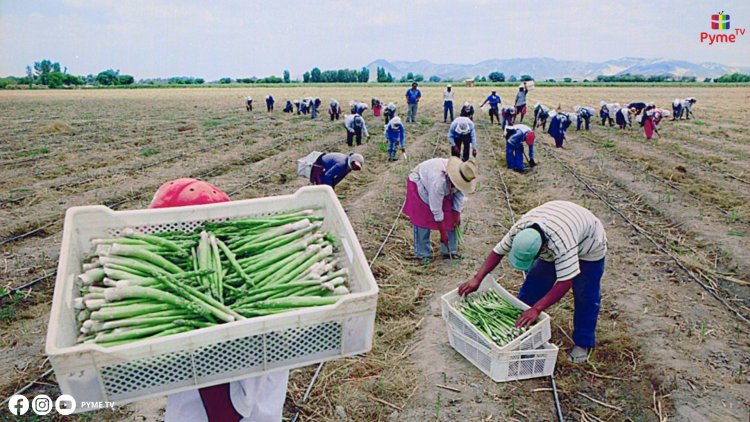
[
  {"x": 435, "y": 192},
  {"x": 561, "y": 245},
  {"x": 259, "y": 398}
]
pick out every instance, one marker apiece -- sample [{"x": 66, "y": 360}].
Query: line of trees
[
  {"x": 341, "y": 75},
  {"x": 627, "y": 77},
  {"x": 734, "y": 77}
]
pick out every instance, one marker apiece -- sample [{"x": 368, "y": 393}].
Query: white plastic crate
[
  {"x": 534, "y": 337},
  {"x": 506, "y": 366},
  {"x": 223, "y": 353}
]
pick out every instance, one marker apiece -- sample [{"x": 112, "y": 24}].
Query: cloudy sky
[{"x": 241, "y": 38}]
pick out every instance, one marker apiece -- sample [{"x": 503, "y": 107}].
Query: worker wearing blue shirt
[
  {"x": 515, "y": 136},
  {"x": 461, "y": 133},
  {"x": 331, "y": 168},
  {"x": 494, "y": 101},
  {"x": 412, "y": 99}
]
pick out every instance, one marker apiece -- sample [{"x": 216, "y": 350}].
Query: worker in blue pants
[
  {"x": 584, "y": 114},
  {"x": 394, "y": 135},
  {"x": 557, "y": 127},
  {"x": 515, "y": 136}
]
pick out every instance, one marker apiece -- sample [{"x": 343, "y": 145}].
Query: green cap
[{"x": 526, "y": 245}]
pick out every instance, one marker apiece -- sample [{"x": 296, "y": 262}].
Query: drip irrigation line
[
  {"x": 33, "y": 282},
  {"x": 27, "y": 386}
]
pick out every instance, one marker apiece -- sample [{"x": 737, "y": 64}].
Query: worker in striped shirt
[{"x": 560, "y": 245}]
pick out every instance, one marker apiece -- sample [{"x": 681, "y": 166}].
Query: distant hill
[{"x": 546, "y": 68}]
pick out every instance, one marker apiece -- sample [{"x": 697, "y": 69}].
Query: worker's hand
[
  {"x": 474, "y": 152},
  {"x": 444, "y": 237},
  {"x": 457, "y": 221},
  {"x": 528, "y": 318},
  {"x": 468, "y": 287},
  {"x": 532, "y": 163},
  {"x": 403, "y": 150}
]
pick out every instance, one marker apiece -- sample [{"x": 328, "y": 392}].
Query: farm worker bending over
[
  {"x": 331, "y": 168},
  {"x": 269, "y": 103},
  {"x": 623, "y": 116},
  {"x": 637, "y": 107},
  {"x": 249, "y": 103},
  {"x": 358, "y": 108},
  {"x": 447, "y": 103},
  {"x": 515, "y": 136},
  {"x": 434, "y": 199},
  {"x": 494, "y": 100},
  {"x": 355, "y": 126},
  {"x": 541, "y": 113},
  {"x": 259, "y": 398},
  {"x": 394, "y": 135},
  {"x": 461, "y": 133},
  {"x": 412, "y": 99},
  {"x": 509, "y": 115},
  {"x": 560, "y": 245},
  {"x": 584, "y": 114},
  {"x": 676, "y": 109},
  {"x": 314, "y": 104},
  {"x": 557, "y": 127},
  {"x": 297, "y": 105},
  {"x": 521, "y": 101},
  {"x": 390, "y": 112},
  {"x": 377, "y": 106},
  {"x": 334, "y": 110},
  {"x": 604, "y": 113},
  {"x": 687, "y": 107},
  {"x": 468, "y": 111}
]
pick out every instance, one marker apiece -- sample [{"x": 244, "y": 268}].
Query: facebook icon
[{"x": 18, "y": 405}]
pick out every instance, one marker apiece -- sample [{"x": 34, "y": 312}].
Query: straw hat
[{"x": 463, "y": 175}]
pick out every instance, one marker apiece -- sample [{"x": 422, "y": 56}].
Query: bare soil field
[{"x": 673, "y": 335}]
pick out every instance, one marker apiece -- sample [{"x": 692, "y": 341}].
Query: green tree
[
  {"x": 706, "y": 80},
  {"x": 364, "y": 75},
  {"x": 418, "y": 78},
  {"x": 410, "y": 76},
  {"x": 286, "y": 77},
  {"x": 108, "y": 77},
  {"x": 42, "y": 70},
  {"x": 225, "y": 80},
  {"x": 496, "y": 77},
  {"x": 125, "y": 80},
  {"x": 315, "y": 75},
  {"x": 526, "y": 78},
  {"x": 513, "y": 78},
  {"x": 306, "y": 77},
  {"x": 568, "y": 80},
  {"x": 390, "y": 77},
  {"x": 30, "y": 75},
  {"x": 435, "y": 78}
]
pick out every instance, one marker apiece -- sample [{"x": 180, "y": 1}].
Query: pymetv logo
[
  {"x": 721, "y": 22},
  {"x": 41, "y": 405}
]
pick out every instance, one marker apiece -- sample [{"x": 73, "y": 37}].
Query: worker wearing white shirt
[{"x": 447, "y": 103}]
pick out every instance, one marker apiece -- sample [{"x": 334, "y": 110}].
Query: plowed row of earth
[{"x": 667, "y": 348}]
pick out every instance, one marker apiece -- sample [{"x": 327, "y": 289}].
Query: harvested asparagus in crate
[
  {"x": 493, "y": 315},
  {"x": 152, "y": 285}
]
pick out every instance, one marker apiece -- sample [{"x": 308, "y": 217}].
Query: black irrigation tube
[{"x": 648, "y": 237}]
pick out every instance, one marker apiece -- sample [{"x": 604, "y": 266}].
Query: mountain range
[{"x": 546, "y": 68}]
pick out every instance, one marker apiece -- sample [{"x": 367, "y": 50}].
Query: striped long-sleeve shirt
[{"x": 573, "y": 233}]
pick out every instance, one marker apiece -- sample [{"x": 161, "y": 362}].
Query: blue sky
[{"x": 241, "y": 38}]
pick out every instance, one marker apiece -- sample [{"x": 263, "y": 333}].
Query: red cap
[
  {"x": 530, "y": 137},
  {"x": 184, "y": 192}
]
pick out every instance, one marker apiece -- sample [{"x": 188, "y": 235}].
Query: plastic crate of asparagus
[
  {"x": 150, "y": 302},
  {"x": 488, "y": 315}
]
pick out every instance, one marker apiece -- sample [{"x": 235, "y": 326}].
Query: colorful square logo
[{"x": 720, "y": 21}]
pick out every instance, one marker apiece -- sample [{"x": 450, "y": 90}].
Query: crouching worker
[
  {"x": 334, "y": 110},
  {"x": 394, "y": 135},
  {"x": 331, "y": 168},
  {"x": 269, "y": 103},
  {"x": 583, "y": 114},
  {"x": 434, "y": 200},
  {"x": 515, "y": 136},
  {"x": 377, "y": 106},
  {"x": 249, "y": 103},
  {"x": 560, "y": 245},
  {"x": 509, "y": 115},
  {"x": 558, "y": 126},
  {"x": 541, "y": 113},
  {"x": 390, "y": 112},
  {"x": 288, "y": 107},
  {"x": 355, "y": 126},
  {"x": 260, "y": 398},
  {"x": 462, "y": 133},
  {"x": 468, "y": 111}
]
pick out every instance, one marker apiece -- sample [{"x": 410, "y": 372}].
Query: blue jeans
[
  {"x": 422, "y": 247},
  {"x": 514, "y": 156},
  {"x": 582, "y": 119},
  {"x": 392, "y": 146},
  {"x": 447, "y": 106},
  {"x": 586, "y": 295}
]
